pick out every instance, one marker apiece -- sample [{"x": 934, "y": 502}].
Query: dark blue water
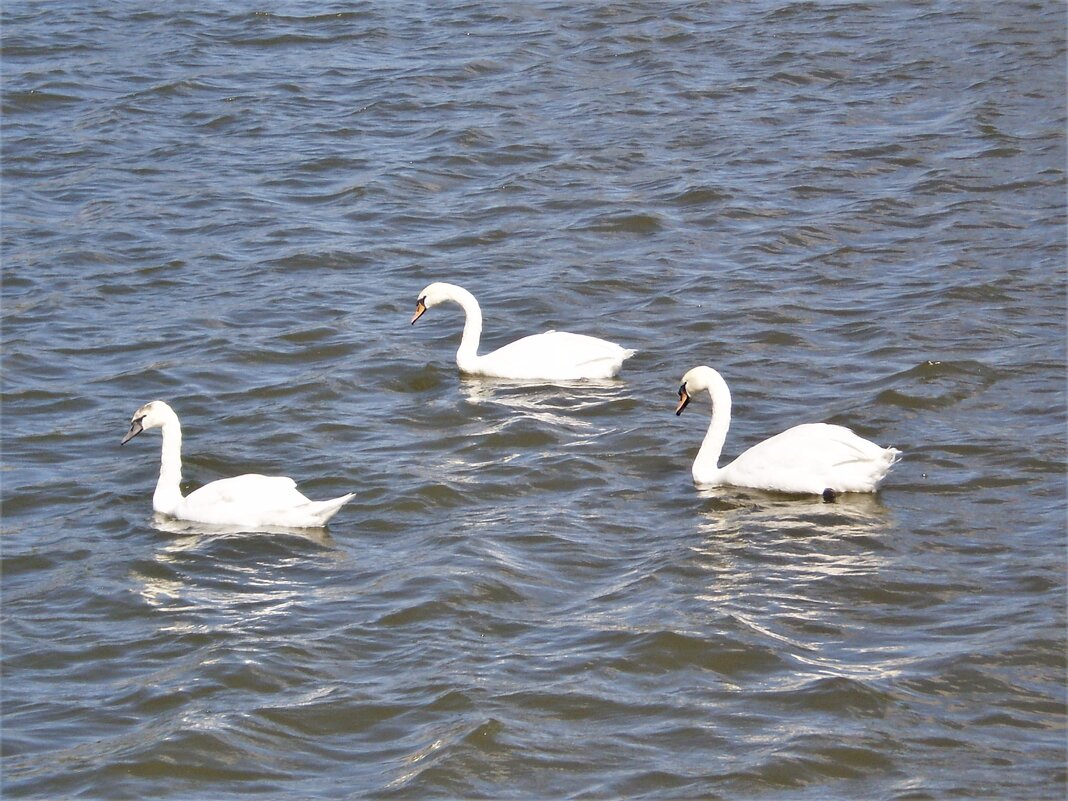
[{"x": 855, "y": 212}]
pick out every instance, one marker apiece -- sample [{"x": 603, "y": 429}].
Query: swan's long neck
[
  {"x": 706, "y": 465},
  {"x": 168, "y": 492},
  {"x": 467, "y": 354}
]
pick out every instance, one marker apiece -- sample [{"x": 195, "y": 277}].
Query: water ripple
[{"x": 855, "y": 212}]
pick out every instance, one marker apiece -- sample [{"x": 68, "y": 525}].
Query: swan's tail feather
[
  {"x": 322, "y": 511},
  {"x": 893, "y": 457},
  {"x": 885, "y": 456},
  {"x": 867, "y": 470},
  {"x": 611, "y": 364},
  {"x": 880, "y": 467}
]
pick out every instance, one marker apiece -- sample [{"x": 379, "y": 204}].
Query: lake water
[{"x": 855, "y": 212}]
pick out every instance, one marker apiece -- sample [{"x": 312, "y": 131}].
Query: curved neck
[
  {"x": 467, "y": 353},
  {"x": 706, "y": 465},
  {"x": 168, "y": 491}
]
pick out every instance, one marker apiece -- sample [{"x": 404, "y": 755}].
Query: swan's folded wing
[
  {"x": 585, "y": 349},
  {"x": 811, "y": 457},
  {"x": 270, "y": 492},
  {"x": 557, "y": 354}
]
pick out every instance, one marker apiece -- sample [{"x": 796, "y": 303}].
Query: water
[{"x": 854, "y": 212}]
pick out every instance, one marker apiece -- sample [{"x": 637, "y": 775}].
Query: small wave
[
  {"x": 624, "y": 223},
  {"x": 936, "y": 384}
]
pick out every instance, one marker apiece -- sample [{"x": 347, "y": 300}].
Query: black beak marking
[
  {"x": 135, "y": 429},
  {"x": 420, "y": 307},
  {"x": 684, "y": 400}
]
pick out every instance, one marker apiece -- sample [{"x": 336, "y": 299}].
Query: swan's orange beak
[
  {"x": 684, "y": 399},
  {"x": 420, "y": 307}
]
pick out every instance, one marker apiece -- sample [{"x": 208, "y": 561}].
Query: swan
[
  {"x": 811, "y": 458},
  {"x": 552, "y": 356},
  {"x": 249, "y": 500}
]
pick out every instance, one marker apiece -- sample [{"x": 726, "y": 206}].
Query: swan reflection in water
[
  {"x": 567, "y": 405},
  {"x": 795, "y": 575},
  {"x": 230, "y": 573},
  {"x": 735, "y": 512},
  {"x": 192, "y": 535},
  {"x": 520, "y": 433}
]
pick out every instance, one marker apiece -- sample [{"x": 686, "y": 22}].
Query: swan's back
[
  {"x": 557, "y": 355},
  {"x": 254, "y": 499},
  {"x": 810, "y": 458},
  {"x": 250, "y": 489}
]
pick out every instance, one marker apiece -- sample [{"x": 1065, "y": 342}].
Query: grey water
[{"x": 854, "y": 211}]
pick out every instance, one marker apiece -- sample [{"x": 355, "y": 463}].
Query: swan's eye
[{"x": 682, "y": 390}]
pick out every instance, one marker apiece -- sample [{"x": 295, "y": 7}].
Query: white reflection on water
[
  {"x": 553, "y": 404},
  {"x": 734, "y": 510},
  {"x": 193, "y": 535},
  {"x": 245, "y": 585},
  {"x": 795, "y": 572},
  {"x": 530, "y": 422}
]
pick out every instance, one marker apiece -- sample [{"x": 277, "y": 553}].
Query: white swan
[
  {"x": 811, "y": 458},
  {"x": 249, "y": 500},
  {"x": 552, "y": 356}
]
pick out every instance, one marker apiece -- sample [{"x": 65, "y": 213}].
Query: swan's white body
[
  {"x": 809, "y": 458},
  {"x": 552, "y": 356},
  {"x": 250, "y": 500}
]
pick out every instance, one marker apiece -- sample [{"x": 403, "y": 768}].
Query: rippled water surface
[{"x": 856, "y": 212}]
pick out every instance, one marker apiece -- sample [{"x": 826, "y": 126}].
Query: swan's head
[
  {"x": 434, "y": 294},
  {"x": 696, "y": 380},
  {"x": 151, "y": 415}
]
